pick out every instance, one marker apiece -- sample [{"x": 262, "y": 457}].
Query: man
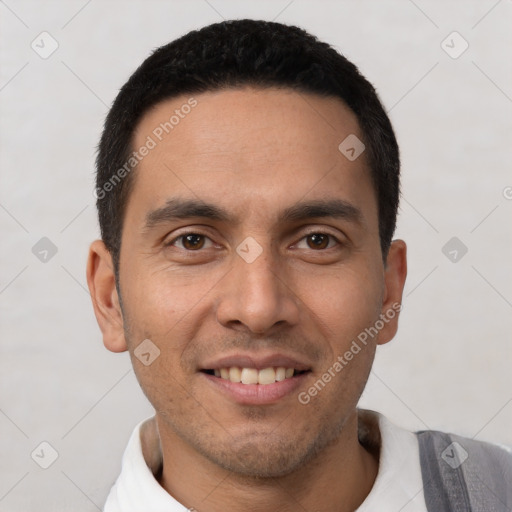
[{"x": 247, "y": 190}]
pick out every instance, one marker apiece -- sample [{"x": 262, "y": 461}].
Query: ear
[
  {"x": 102, "y": 287},
  {"x": 395, "y": 273}
]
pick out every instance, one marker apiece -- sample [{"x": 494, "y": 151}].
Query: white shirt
[{"x": 398, "y": 485}]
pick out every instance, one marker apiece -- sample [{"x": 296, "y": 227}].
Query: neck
[{"x": 337, "y": 479}]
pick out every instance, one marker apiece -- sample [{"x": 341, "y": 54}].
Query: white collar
[{"x": 398, "y": 485}]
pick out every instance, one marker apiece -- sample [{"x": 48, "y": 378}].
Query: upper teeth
[{"x": 254, "y": 376}]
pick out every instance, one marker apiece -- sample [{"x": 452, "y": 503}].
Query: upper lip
[{"x": 258, "y": 361}]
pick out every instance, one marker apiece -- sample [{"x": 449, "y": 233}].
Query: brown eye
[
  {"x": 190, "y": 241},
  {"x": 318, "y": 241},
  {"x": 193, "y": 241}
]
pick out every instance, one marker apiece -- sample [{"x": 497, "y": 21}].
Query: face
[{"x": 250, "y": 250}]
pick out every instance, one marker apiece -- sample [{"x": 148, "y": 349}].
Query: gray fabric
[{"x": 464, "y": 475}]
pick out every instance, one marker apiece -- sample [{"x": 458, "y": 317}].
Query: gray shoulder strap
[{"x": 464, "y": 475}]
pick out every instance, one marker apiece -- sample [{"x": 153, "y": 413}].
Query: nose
[{"x": 256, "y": 296}]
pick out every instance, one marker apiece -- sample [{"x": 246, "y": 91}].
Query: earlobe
[
  {"x": 395, "y": 274},
  {"x": 102, "y": 287}
]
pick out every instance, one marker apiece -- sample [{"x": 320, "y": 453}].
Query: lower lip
[{"x": 256, "y": 394}]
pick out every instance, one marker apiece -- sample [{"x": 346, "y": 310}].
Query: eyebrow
[{"x": 178, "y": 208}]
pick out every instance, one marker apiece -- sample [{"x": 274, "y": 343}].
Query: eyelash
[{"x": 306, "y": 235}]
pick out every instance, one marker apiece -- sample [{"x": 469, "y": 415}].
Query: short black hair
[{"x": 238, "y": 53}]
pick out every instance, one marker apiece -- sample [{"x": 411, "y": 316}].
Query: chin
[
  {"x": 261, "y": 462},
  {"x": 263, "y": 458}
]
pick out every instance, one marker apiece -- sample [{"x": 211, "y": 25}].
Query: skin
[{"x": 254, "y": 153}]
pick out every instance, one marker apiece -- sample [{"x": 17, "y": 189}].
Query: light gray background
[{"x": 450, "y": 365}]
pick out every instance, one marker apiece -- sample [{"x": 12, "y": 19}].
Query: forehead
[{"x": 241, "y": 146}]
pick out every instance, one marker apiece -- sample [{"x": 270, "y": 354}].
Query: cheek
[
  {"x": 337, "y": 387},
  {"x": 157, "y": 302},
  {"x": 349, "y": 305},
  {"x": 168, "y": 308},
  {"x": 166, "y": 390},
  {"x": 166, "y": 315},
  {"x": 345, "y": 302}
]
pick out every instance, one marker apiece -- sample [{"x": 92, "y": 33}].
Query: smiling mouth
[{"x": 254, "y": 376}]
